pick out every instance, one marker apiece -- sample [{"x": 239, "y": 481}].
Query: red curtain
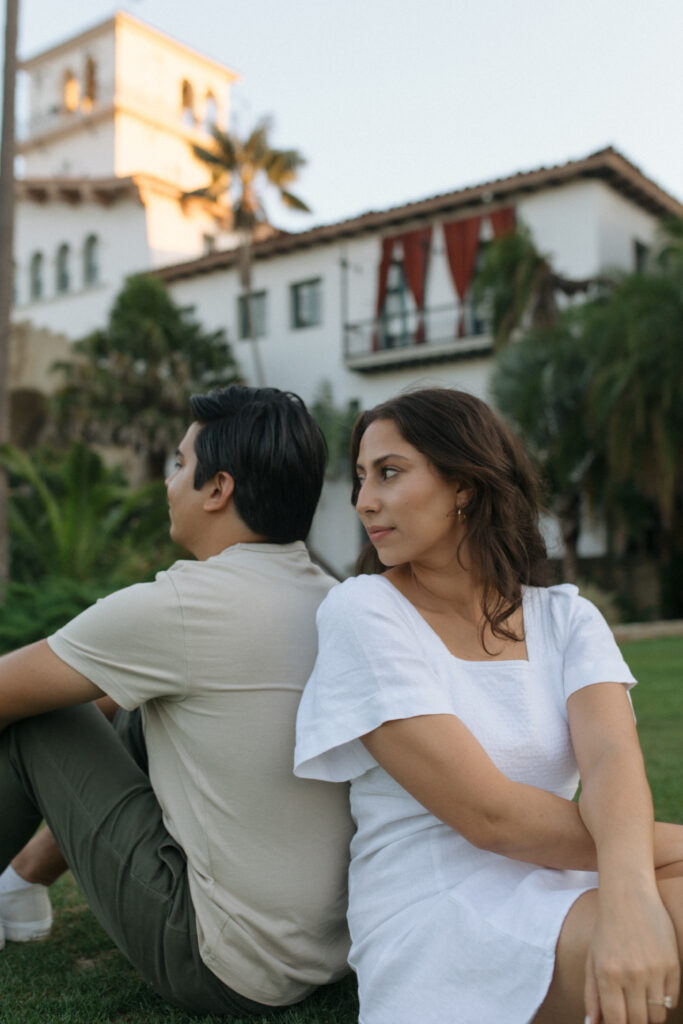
[
  {"x": 416, "y": 247},
  {"x": 385, "y": 263},
  {"x": 462, "y": 243},
  {"x": 502, "y": 221}
]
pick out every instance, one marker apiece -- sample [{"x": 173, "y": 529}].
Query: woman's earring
[{"x": 460, "y": 514}]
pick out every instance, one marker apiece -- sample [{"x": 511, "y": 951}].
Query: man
[{"x": 219, "y": 875}]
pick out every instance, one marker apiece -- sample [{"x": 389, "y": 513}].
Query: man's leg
[{"x": 71, "y": 768}]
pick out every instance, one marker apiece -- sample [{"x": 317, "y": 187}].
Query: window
[
  {"x": 62, "y": 277},
  {"x": 394, "y": 327},
  {"x": 71, "y": 92},
  {"x": 258, "y": 315},
  {"x": 641, "y": 253},
  {"x": 210, "y": 112},
  {"x": 187, "y": 104},
  {"x": 35, "y": 287},
  {"x": 90, "y": 89},
  {"x": 91, "y": 265},
  {"x": 478, "y": 315},
  {"x": 306, "y": 303}
]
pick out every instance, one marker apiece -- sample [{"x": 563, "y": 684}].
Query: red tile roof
[{"x": 607, "y": 165}]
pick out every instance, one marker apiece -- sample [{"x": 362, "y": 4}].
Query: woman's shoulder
[
  {"x": 357, "y": 591},
  {"x": 366, "y": 606},
  {"x": 565, "y": 612}
]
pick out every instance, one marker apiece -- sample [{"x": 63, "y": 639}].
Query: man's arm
[{"x": 34, "y": 680}]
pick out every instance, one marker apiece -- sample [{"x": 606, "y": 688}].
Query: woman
[{"x": 462, "y": 700}]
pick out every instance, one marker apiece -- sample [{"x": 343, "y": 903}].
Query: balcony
[{"x": 412, "y": 339}]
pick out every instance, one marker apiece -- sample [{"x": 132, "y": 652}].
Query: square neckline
[{"x": 469, "y": 661}]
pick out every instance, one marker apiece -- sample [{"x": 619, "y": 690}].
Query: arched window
[
  {"x": 91, "y": 261},
  {"x": 210, "y": 112},
  {"x": 63, "y": 277},
  {"x": 71, "y": 91},
  {"x": 90, "y": 89},
  {"x": 187, "y": 104},
  {"x": 35, "y": 283}
]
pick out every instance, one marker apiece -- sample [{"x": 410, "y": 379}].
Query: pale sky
[{"x": 397, "y": 100}]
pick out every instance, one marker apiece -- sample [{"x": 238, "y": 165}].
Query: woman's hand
[{"x": 633, "y": 960}]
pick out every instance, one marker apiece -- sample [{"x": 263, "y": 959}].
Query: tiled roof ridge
[{"x": 607, "y": 162}]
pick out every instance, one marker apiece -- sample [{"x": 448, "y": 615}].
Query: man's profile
[{"x": 219, "y": 875}]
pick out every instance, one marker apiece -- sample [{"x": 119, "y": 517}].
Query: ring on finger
[{"x": 667, "y": 1002}]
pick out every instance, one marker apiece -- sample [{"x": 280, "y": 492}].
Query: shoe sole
[{"x": 26, "y": 931}]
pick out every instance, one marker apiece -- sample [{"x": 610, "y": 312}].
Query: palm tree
[
  {"x": 6, "y": 257},
  {"x": 636, "y": 408},
  {"x": 239, "y": 169},
  {"x": 597, "y": 396},
  {"x": 540, "y": 384}
]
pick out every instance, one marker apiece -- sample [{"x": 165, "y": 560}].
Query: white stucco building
[{"x": 369, "y": 305}]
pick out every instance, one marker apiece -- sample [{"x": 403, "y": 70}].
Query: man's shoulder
[{"x": 261, "y": 563}]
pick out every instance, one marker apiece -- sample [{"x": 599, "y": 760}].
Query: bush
[{"x": 33, "y": 611}]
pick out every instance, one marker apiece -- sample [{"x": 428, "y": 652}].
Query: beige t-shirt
[{"x": 217, "y": 653}]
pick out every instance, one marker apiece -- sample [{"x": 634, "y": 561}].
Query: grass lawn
[{"x": 77, "y": 976}]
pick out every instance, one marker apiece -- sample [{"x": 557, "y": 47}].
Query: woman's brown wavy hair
[{"x": 469, "y": 444}]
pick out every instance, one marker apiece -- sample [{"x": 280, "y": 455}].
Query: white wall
[
  {"x": 586, "y": 227},
  {"x": 75, "y": 153},
  {"x": 46, "y": 109},
  {"x": 123, "y": 250},
  {"x": 621, "y": 224}
]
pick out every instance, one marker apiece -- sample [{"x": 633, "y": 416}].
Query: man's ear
[{"x": 221, "y": 489}]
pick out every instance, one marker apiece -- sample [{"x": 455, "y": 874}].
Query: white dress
[{"x": 443, "y": 932}]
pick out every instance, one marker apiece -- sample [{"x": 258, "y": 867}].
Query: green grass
[
  {"x": 78, "y": 977},
  {"x": 658, "y": 703}
]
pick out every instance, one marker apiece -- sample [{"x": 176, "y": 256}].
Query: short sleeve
[
  {"x": 371, "y": 668},
  {"x": 590, "y": 652},
  {"x": 130, "y": 644}
]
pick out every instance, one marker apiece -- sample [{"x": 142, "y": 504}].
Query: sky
[{"x": 392, "y": 101}]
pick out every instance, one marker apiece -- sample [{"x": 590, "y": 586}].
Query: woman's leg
[{"x": 564, "y": 1002}]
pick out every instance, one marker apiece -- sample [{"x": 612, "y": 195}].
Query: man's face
[{"x": 185, "y": 504}]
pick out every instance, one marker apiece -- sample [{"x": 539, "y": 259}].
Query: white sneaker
[{"x": 25, "y": 914}]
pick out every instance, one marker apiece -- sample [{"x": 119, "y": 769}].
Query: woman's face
[{"x": 407, "y": 508}]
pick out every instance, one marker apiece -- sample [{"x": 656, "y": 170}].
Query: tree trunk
[
  {"x": 245, "y": 278},
  {"x": 569, "y": 514},
  {"x": 6, "y": 259}
]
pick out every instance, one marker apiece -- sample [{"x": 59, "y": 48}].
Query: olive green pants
[{"x": 88, "y": 780}]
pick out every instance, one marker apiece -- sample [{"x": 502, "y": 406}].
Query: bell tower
[{"x": 121, "y": 99}]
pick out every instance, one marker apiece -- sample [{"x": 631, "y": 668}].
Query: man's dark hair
[{"x": 271, "y": 446}]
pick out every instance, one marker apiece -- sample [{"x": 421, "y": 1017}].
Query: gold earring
[{"x": 460, "y": 514}]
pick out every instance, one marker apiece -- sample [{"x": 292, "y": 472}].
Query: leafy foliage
[
  {"x": 521, "y": 287},
  {"x": 72, "y": 517},
  {"x": 130, "y": 382},
  {"x": 336, "y": 424},
  {"x": 33, "y": 611}
]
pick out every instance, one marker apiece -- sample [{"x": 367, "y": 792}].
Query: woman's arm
[
  {"x": 633, "y": 953},
  {"x": 439, "y": 762}
]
